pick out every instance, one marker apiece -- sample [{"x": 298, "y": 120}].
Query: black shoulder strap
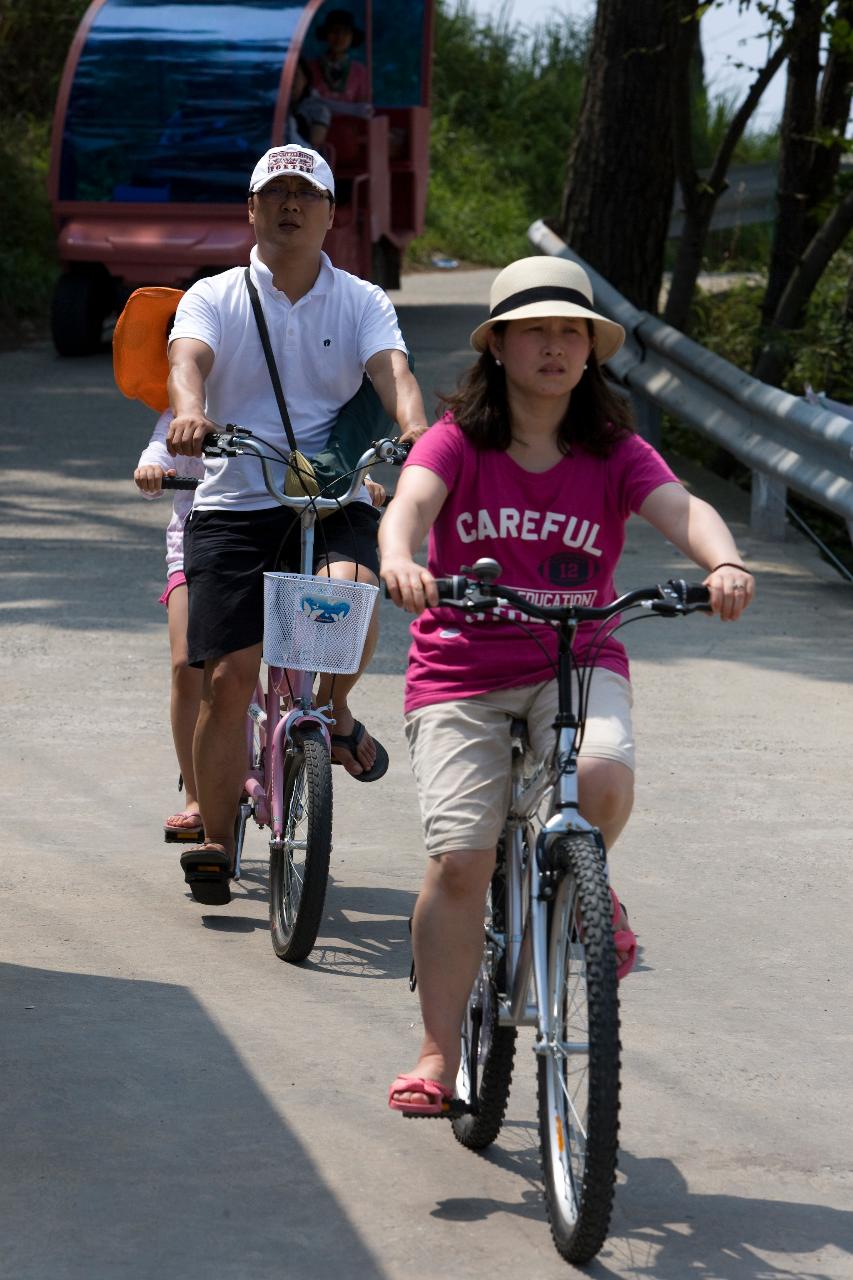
[{"x": 261, "y": 322}]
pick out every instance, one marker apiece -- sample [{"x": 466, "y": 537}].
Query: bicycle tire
[
  {"x": 495, "y": 1046},
  {"x": 579, "y": 1151},
  {"x": 298, "y": 891}
]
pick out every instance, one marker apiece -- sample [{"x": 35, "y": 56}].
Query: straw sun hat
[{"x": 540, "y": 287}]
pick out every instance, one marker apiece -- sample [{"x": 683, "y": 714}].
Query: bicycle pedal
[
  {"x": 450, "y": 1111},
  {"x": 177, "y": 836}
]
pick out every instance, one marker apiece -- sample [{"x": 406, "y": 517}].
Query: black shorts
[{"x": 226, "y": 554}]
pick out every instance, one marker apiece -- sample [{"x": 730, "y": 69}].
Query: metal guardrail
[
  {"x": 785, "y": 441},
  {"x": 750, "y": 197}
]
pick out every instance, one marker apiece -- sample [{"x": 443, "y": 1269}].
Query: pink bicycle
[{"x": 311, "y": 624}]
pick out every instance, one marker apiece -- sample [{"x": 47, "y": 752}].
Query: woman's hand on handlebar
[
  {"x": 409, "y": 584},
  {"x": 187, "y": 434},
  {"x": 731, "y": 590},
  {"x": 150, "y": 479}
]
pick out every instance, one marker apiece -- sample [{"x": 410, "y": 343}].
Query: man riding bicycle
[{"x": 326, "y": 328}]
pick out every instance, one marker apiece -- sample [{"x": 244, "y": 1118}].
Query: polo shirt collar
[{"x": 263, "y": 276}]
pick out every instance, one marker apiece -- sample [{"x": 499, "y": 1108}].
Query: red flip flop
[{"x": 416, "y": 1084}]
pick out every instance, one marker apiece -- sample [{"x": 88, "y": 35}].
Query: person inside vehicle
[
  {"x": 310, "y": 115},
  {"x": 327, "y": 328},
  {"x": 336, "y": 75}
]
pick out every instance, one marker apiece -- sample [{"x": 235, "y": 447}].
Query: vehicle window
[
  {"x": 174, "y": 101},
  {"x": 398, "y": 32}
]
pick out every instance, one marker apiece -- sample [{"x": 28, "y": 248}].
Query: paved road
[{"x": 178, "y": 1103}]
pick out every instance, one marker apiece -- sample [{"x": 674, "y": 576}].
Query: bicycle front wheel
[
  {"x": 579, "y": 1068},
  {"x": 299, "y": 863}
]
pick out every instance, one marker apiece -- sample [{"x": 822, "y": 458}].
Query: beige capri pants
[{"x": 462, "y": 754}]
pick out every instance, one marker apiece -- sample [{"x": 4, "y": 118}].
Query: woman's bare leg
[{"x": 447, "y": 937}]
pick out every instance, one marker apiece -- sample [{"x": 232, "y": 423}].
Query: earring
[
  {"x": 498, "y": 363},
  {"x": 586, "y": 366}
]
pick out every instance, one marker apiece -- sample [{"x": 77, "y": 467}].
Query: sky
[{"x": 727, "y": 37}]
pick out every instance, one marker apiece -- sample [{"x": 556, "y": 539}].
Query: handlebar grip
[
  {"x": 180, "y": 482},
  {"x": 452, "y": 588},
  {"x": 391, "y": 451},
  {"x": 696, "y": 594}
]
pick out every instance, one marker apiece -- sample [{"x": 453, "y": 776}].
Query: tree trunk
[
  {"x": 776, "y": 353},
  {"x": 796, "y": 151},
  {"x": 700, "y": 195},
  {"x": 619, "y": 185}
]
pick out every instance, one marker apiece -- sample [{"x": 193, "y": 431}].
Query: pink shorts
[{"x": 175, "y": 579}]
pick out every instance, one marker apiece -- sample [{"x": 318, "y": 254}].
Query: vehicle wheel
[
  {"x": 77, "y": 315},
  {"x": 299, "y": 864},
  {"x": 488, "y": 1049},
  {"x": 386, "y": 264},
  {"x": 579, "y": 1073}
]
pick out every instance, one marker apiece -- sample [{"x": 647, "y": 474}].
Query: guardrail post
[
  {"x": 769, "y": 496},
  {"x": 648, "y": 419}
]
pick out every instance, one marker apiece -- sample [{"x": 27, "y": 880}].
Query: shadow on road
[
  {"x": 136, "y": 1144},
  {"x": 364, "y": 932},
  {"x": 663, "y": 1230}
]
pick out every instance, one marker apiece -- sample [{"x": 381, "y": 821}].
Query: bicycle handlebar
[
  {"x": 671, "y": 599},
  {"x": 237, "y": 440}
]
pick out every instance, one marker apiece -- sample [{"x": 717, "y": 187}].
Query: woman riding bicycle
[{"x": 536, "y": 464}]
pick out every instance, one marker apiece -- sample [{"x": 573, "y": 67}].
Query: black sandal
[
  {"x": 208, "y": 873},
  {"x": 350, "y": 741}
]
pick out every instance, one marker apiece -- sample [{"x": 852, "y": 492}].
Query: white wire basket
[{"x": 316, "y": 624}]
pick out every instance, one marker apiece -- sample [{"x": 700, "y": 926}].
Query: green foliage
[
  {"x": 730, "y": 324},
  {"x": 27, "y": 240},
  {"x": 505, "y": 98},
  {"x": 34, "y": 38}
]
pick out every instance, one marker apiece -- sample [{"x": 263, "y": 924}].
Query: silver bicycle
[{"x": 548, "y": 960}]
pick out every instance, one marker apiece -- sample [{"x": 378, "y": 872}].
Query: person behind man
[{"x": 326, "y": 329}]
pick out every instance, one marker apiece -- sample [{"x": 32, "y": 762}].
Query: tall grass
[{"x": 505, "y": 99}]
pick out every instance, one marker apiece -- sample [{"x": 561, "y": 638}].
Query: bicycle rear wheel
[
  {"x": 488, "y": 1049},
  {"x": 579, "y": 1070},
  {"x": 299, "y": 863}
]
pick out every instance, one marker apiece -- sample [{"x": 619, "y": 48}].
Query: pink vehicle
[{"x": 163, "y": 109}]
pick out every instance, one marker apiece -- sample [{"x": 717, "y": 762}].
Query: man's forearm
[
  {"x": 186, "y": 389},
  {"x": 411, "y": 414}
]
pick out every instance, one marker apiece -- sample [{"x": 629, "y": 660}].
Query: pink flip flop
[
  {"x": 416, "y": 1084},
  {"x": 623, "y": 939}
]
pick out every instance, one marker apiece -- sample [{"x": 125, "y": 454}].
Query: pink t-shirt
[{"x": 557, "y": 536}]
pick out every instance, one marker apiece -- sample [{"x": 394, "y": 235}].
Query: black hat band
[{"x": 541, "y": 293}]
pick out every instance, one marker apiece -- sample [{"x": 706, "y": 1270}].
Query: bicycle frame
[
  {"x": 528, "y": 874},
  {"x": 277, "y": 723}
]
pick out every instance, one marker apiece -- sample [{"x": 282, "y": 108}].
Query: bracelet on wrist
[{"x": 728, "y": 564}]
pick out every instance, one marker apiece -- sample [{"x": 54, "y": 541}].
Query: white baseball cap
[{"x": 299, "y": 162}]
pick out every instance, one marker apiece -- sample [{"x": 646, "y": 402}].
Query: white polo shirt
[{"x": 321, "y": 345}]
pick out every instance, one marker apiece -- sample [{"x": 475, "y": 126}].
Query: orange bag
[{"x": 140, "y": 345}]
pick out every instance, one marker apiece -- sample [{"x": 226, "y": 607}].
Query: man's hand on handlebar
[
  {"x": 150, "y": 478},
  {"x": 187, "y": 433},
  {"x": 413, "y": 432},
  {"x": 409, "y": 584}
]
